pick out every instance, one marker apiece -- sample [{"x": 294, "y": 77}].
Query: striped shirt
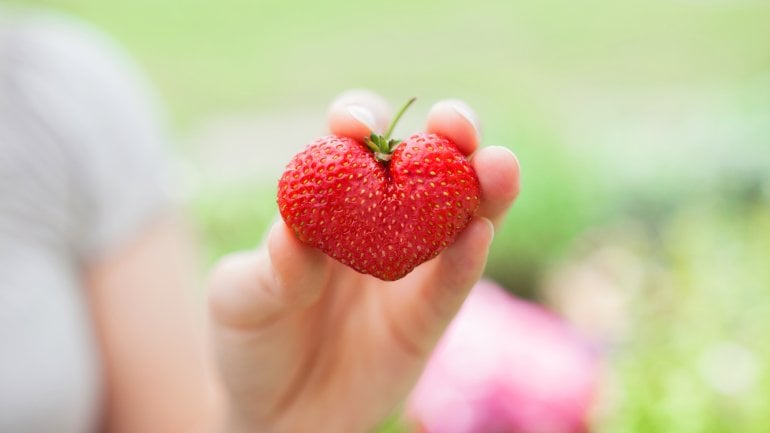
[{"x": 80, "y": 173}]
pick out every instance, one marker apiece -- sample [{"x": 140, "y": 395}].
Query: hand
[{"x": 307, "y": 344}]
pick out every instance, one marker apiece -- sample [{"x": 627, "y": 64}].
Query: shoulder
[
  {"x": 65, "y": 61},
  {"x": 56, "y": 43},
  {"x": 78, "y": 106}
]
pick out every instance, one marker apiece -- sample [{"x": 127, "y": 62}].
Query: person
[{"x": 100, "y": 329}]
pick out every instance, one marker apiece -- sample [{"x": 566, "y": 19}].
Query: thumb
[{"x": 255, "y": 288}]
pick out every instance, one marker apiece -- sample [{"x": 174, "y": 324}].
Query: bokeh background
[{"x": 642, "y": 127}]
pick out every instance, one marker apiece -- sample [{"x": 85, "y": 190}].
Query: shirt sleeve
[{"x": 91, "y": 100}]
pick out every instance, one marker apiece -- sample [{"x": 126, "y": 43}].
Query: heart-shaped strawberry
[{"x": 380, "y": 213}]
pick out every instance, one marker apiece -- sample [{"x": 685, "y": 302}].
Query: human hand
[{"x": 307, "y": 344}]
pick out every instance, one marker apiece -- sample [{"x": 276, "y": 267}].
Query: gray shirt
[{"x": 80, "y": 173}]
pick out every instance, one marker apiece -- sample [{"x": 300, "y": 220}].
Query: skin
[{"x": 302, "y": 342}]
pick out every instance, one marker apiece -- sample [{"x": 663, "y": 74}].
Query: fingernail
[
  {"x": 491, "y": 227},
  {"x": 505, "y": 150},
  {"x": 509, "y": 152},
  {"x": 362, "y": 115},
  {"x": 465, "y": 111}
]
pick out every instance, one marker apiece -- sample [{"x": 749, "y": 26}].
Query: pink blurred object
[{"x": 506, "y": 366}]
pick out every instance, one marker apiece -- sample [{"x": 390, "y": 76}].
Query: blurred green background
[{"x": 642, "y": 127}]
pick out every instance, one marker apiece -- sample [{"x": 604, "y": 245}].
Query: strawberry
[{"x": 380, "y": 206}]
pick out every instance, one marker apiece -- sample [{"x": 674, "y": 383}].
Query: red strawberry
[{"x": 380, "y": 213}]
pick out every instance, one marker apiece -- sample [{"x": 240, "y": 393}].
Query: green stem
[
  {"x": 398, "y": 117},
  {"x": 383, "y": 146}
]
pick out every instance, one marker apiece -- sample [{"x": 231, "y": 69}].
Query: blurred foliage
[
  {"x": 233, "y": 219},
  {"x": 656, "y": 109},
  {"x": 528, "y": 67},
  {"x": 697, "y": 358},
  {"x": 210, "y": 56}
]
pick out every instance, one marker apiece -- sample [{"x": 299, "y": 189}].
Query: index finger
[{"x": 357, "y": 113}]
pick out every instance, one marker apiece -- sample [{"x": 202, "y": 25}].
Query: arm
[
  {"x": 150, "y": 328},
  {"x": 303, "y": 343},
  {"x": 92, "y": 177}
]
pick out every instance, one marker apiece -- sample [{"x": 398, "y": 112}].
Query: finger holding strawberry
[
  {"x": 358, "y": 113},
  {"x": 379, "y": 205},
  {"x": 308, "y": 343}
]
